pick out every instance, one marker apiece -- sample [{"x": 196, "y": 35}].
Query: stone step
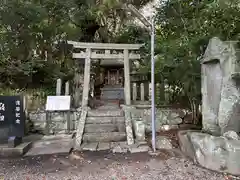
[
  {"x": 104, "y": 137},
  {"x": 105, "y": 113},
  {"x": 109, "y": 107},
  {"x": 91, "y": 128},
  {"x": 105, "y": 120}
]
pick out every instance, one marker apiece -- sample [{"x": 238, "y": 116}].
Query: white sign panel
[{"x": 58, "y": 103}]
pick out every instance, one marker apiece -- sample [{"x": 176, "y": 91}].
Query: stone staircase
[{"x": 103, "y": 127}]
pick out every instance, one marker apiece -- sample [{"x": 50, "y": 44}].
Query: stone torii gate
[
  {"x": 102, "y": 51},
  {"x": 90, "y": 51}
]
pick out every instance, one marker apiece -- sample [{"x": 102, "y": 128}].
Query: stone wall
[
  {"x": 164, "y": 116},
  {"x": 58, "y": 120}
]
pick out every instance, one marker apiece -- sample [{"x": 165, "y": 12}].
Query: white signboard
[{"x": 58, "y": 103}]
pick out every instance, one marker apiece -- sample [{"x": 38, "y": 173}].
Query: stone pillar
[
  {"x": 162, "y": 91},
  {"x": 142, "y": 91},
  {"x": 78, "y": 84},
  {"x": 67, "y": 88},
  {"x": 150, "y": 91},
  {"x": 134, "y": 93},
  {"x": 158, "y": 93},
  {"x": 117, "y": 76},
  {"x": 86, "y": 84},
  {"x": 127, "y": 88},
  {"x": 59, "y": 87}
]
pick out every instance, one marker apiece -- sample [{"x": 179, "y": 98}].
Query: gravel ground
[{"x": 101, "y": 166}]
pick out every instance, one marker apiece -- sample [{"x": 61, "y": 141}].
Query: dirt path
[{"x": 101, "y": 166}]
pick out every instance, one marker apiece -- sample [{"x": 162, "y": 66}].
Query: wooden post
[
  {"x": 127, "y": 88},
  {"x": 134, "y": 93},
  {"x": 142, "y": 89},
  {"x": 86, "y": 84}
]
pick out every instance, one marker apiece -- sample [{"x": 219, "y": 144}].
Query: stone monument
[
  {"x": 217, "y": 147},
  {"x": 220, "y": 87}
]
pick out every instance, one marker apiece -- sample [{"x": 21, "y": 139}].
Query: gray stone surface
[
  {"x": 104, "y": 120},
  {"x": 164, "y": 116},
  {"x": 51, "y": 145},
  {"x": 231, "y": 135},
  {"x": 185, "y": 143},
  {"x": 92, "y": 128},
  {"x": 87, "y": 78},
  {"x": 19, "y": 150},
  {"x": 58, "y": 87},
  {"x": 80, "y": 128},
  {"x": 163, "y": 142},
  {"x": 4, "y": 134},
  {"x": 139, "y": 130},
  {"x": 220, "y": 87},
  {"x": 134, "y": 91},
  {"x": 212, "y": 152},
  {"x": 138, "y": 148},
  {"x": 127, "y": 85},
  {"x": 119, "y": 147},
  {"x": 168, "y": 127},
  {"x": 128, "y": 123},
  {"x": 112, "y": 93},
  {"x": 103, "y": 146},
  {"x": 104, "y": 137},
  {"x": 216, "y": 153},
  {"x": 103, "y": 113},
  {"x": 105, "y": 125},
  {"x": 58, "y": 120},
  {"x": 90, "y": 146}
]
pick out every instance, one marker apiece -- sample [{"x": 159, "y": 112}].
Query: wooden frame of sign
[{"x": 58, "y": 104}]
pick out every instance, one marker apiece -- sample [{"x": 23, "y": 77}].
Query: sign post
[{"x": 59, "y": 104}]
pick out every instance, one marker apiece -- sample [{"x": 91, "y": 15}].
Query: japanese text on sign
[
  {"x": 58, "y": 103},
  {"x": 2, "y": 108},
  {"x": 17, "y": 112}
]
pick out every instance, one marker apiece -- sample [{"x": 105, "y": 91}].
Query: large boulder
[{"x": 216, "y": 153}]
